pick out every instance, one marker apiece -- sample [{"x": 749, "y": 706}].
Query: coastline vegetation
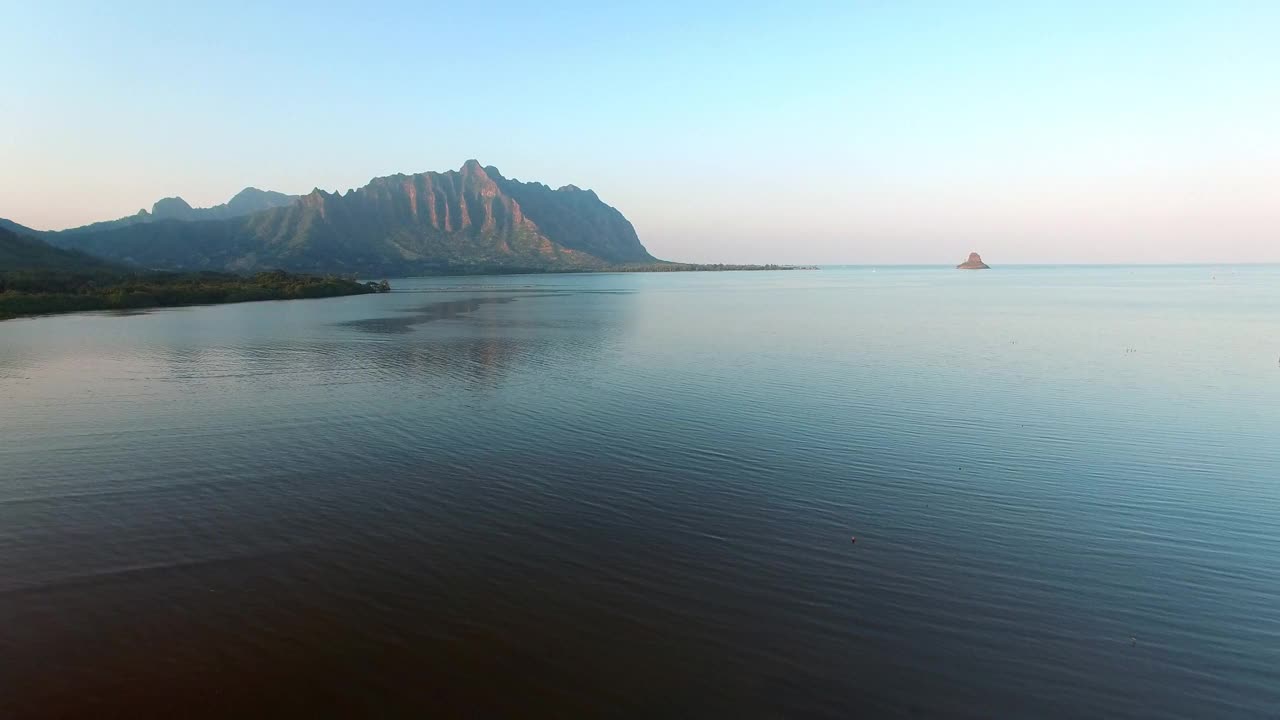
[
  {"x": 445, "y": 270},
  {"x": 41, "y": 292}
]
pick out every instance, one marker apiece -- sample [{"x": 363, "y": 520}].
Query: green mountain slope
[
  {"x": 20, "y": 252},
  {"x": 466, "y": 220},
  {"x": 14, "y": 227}
]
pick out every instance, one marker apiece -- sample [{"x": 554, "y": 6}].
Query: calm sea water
[{"x": 634, "y": 495}]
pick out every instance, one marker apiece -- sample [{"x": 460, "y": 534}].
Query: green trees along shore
[{"x": 39, "y": 292}]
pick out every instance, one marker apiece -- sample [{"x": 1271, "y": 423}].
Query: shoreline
[
  {"x": 462, "y": 271},
  {"x": 41, "y": 294}
]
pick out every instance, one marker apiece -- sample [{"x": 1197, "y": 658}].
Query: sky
[{"x": 851, "y": 132}]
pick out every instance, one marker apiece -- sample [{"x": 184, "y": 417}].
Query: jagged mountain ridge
[
  {"x": 245, "y": 202},
  {"x": 398, "y": 224}
]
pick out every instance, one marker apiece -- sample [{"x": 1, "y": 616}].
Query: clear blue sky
[{"x": 867, "y": 132}]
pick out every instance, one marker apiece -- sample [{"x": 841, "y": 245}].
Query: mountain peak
[
  {"x": 171, "y": 208},
  {"x": 251, "y": 200},
  {"x": 472, "y": 171},
  {"x": 249, "y": 192}
]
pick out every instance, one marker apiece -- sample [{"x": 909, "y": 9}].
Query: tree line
[{"x": 35, "y": 292}]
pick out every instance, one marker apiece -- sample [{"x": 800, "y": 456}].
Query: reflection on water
[
  {"x": 446, "y": 310},
  {"x": 451, "y": 309},
  {"x": 631, "y": 494}
]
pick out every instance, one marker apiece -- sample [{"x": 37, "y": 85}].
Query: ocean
[{"x": 636, "y": 495}]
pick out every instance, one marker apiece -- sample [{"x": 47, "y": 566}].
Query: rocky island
[{"x": 973, "y": 263}]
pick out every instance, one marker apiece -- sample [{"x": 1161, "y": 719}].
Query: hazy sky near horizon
[{"x": 872, "y": 132}]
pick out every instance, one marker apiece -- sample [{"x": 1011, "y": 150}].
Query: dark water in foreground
[{"x": 633, "y": 494}]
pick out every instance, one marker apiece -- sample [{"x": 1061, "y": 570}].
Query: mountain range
[{"x": 467, "y": 220}]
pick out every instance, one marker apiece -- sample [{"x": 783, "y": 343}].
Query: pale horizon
[{"x": 904, "y": 134}]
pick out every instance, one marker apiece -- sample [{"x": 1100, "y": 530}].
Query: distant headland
[
  {"x": 973, "y": 263},
  {"x": 460, "y": 222}
]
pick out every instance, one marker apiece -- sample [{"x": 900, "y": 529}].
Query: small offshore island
[{"x": 973, "y": 263}]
